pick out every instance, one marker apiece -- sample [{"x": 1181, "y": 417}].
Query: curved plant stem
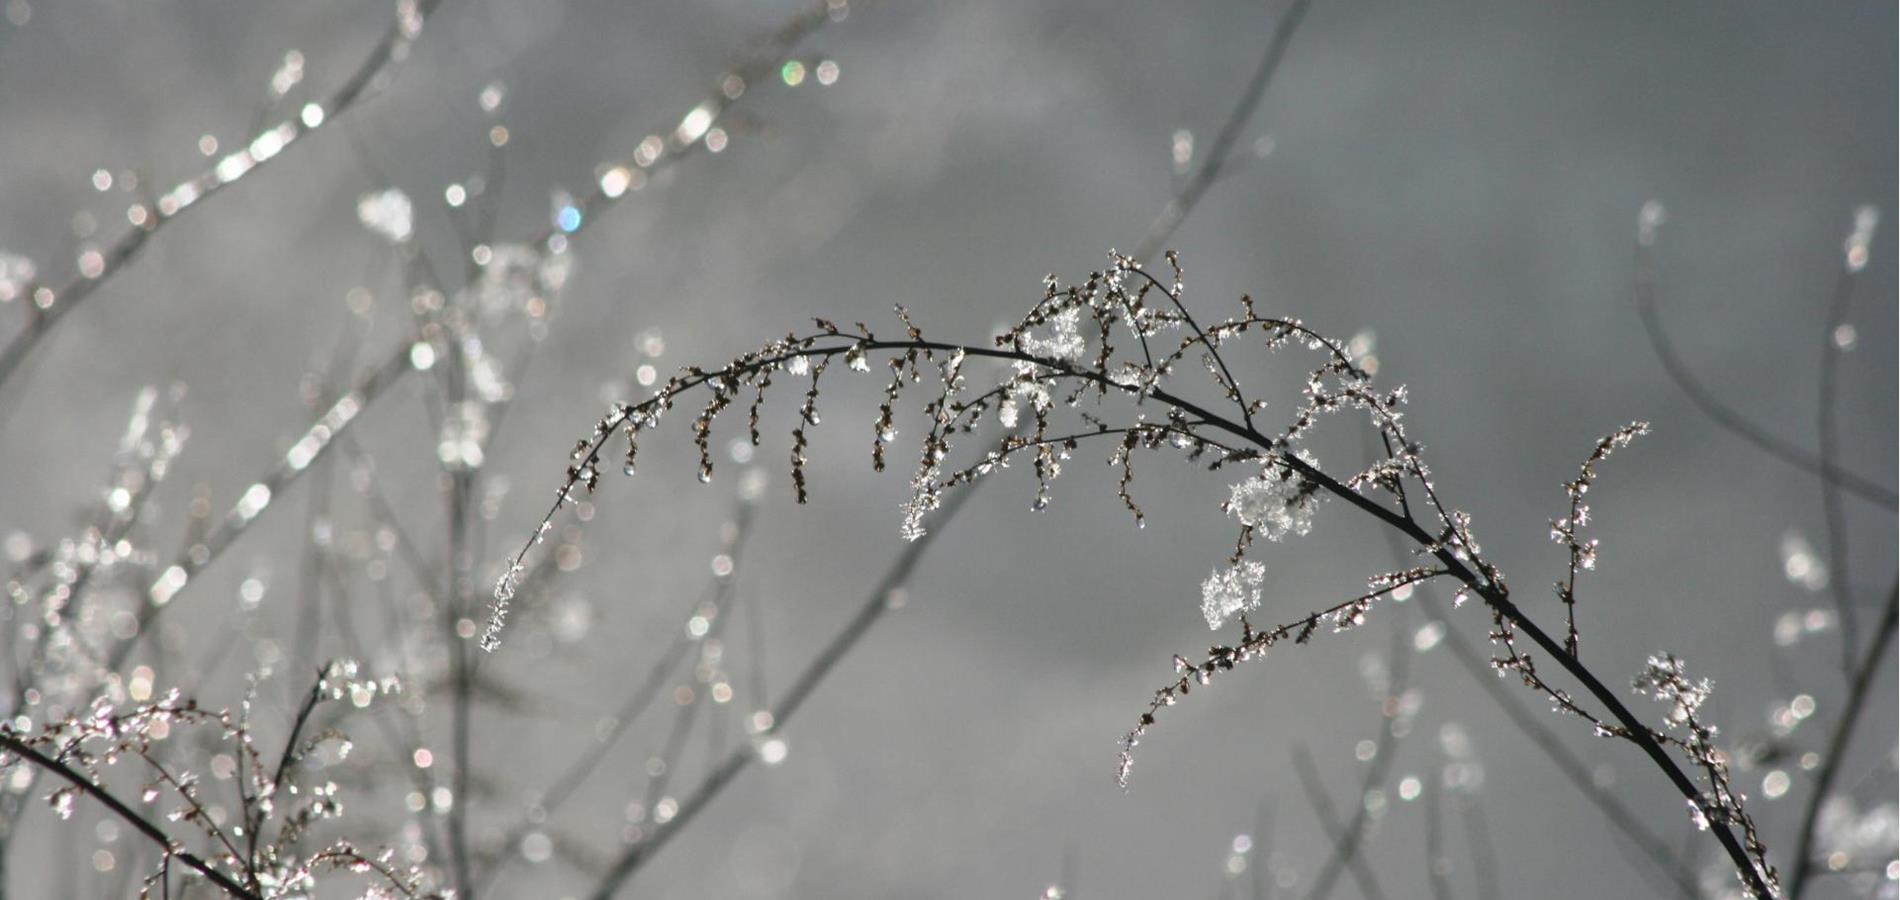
[
  {"x": 1493, "y": 594},
  {"x": 131, "y": 817},
  {"x": 1215, "y": 160},
  {"x": 1837, "y": 743},
  {"x": 1727, "y": 417},
  {"x": 1829, "y": 439}
]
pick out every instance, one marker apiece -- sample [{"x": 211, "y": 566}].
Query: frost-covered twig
[
  {"x": 694, "y": 632},
  {"x": 49, "y": 305},
  {"x": 167, "y": 844},
  {"x": 1050, "y": 366},
  {"x": 312, "y": 444},
  {"x": 80, "y": 747},
  {"x": 1583, "y": 554},
  {"x": 1477, "y": 664},
  {"x": 1666, "y": 680}
]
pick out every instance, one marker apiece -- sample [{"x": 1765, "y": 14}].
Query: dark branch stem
[
  {"x": 1828, "y": 438},
  {"x": 1216, "y": 158},
  {"x": 1493, "y": 593},
  {"x": 1733, "y": 421},
  {"x": 144, "y": 826}
]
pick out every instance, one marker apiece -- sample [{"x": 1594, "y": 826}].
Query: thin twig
[
  {"x": 578, "y": 771},
  {"x": 1263, "y": 851},
  {"x": 588, "y": 454},
  {"x": 1163, "y": 227},
  {"x": 1346, "y": 843},
  {"x": 144, "y": 826},
  {"x": 1329, "y": 822},
  {"x": 1484, "y": 856},
  {"x": 1435, "y": 862},
  {"x": 1828, "y": 437},
  {"x": 1477, "y": 664},
  {"x": 256, "y": 500},
  {"x": 1725, "y": 415},
  {"x": 1861, "y": 686},
  {"x": 48, "y": 305}
]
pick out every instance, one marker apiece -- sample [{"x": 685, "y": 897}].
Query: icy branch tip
[{"x": 498, "y": 613}]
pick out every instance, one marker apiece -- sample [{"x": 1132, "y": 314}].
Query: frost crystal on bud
[
  {"x": 16, "y": 272},
  {"x": 1277, "y": 501},
  {"x": 505, "y": 587},
  {"x": 1649, "y": 221},
  {"x": 924, "y": 498},
  {"x": 1065, "y": 337},
  {"x": 1866, "y": 219},
  {"x": 1666, "y": 680},
  {"x": 1233, "y": 591},
  {"x": 388, "y": 214}
]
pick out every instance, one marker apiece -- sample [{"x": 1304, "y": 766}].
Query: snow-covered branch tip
[{"x": 1097, "y": 362}]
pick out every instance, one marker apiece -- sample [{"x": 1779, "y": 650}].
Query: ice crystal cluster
[
  {"x": 388, "y": 214},
  {"x": 1230, "y": 591},
  {"x": 1277, "y": 502}
]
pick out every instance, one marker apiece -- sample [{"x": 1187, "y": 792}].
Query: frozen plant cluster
[
  {"x": 1095, "y": 363},
  {"x": 1277, "y": 502},
  {"x": 1232, "y": 591}
]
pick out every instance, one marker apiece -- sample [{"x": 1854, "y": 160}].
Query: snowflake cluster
[
  {"x": 1235, "y": 590},
  {"x": 1277, "y": 502}
]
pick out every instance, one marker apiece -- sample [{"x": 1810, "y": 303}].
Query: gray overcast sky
[{"x": 1462, "y": 179}]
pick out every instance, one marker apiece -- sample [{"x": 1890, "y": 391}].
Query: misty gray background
[{"x": 1461, "y": 178}]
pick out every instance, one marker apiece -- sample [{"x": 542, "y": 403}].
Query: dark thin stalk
[
  {"x": 1435, "y": 841},
  {"x": 317, "y": 505},
  {"x": 1329, "y": 822},
  {"x": 1567, "y": 763},
  {"x": 1862, "y": 685},
  {"x": 1346, "y": 845},
  {"x": 1828, "y": 436},
  {"x": 1484, "y": 855},
  {"x": 1493, "y": 594},
  {"x": 1477, "y": 664},
  {"x": 1164, "y": 225},
  {"x": 144, "y": 826},
  {"x": 1726, "y": 416},
  {"x": 462, "y": 677}
]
